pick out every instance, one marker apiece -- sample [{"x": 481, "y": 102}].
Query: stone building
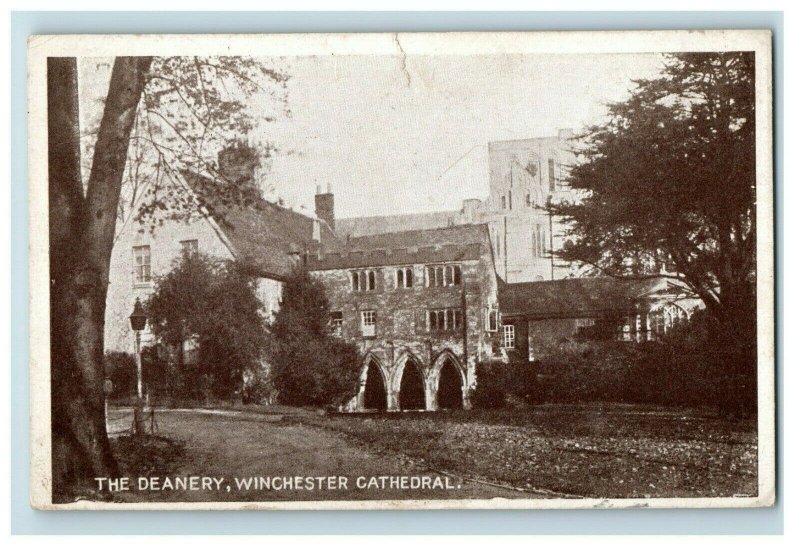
[
  {"x": 422, "y": 308},
  {"x": 524, "y": 175},
  {"x": 539, "y": 316},
  {"x": 425, "y": 297},
  {"x": 261, "y": 235}
]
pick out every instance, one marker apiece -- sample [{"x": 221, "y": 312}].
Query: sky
[{"x": 392, "y": 137}]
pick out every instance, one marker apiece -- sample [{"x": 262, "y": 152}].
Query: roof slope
[
  {"x": 374, "y": 225},
  {"x": 582, "y": 297},
  {"x": 262, "y": 234},
  {"x": 453, "y": 235},
  {"x": 464, "y": 242}
]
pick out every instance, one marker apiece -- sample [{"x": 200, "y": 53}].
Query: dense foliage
[
  {"x": 685, "y": 368},
  {"x": 309, "y": 366},
  {"x": 120, "y": 368},
  {"x": 499, "y": 384},
  {"x": 213, "y": 306},
  {"x": 670, "y": 180}
]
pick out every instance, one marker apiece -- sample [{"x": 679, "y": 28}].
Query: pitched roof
[
  {"x": 453, "y": 235},
  {"x": 373, "y": 225},
  {"x": 262, "y": 234},
  {"x": 464, "y": 242},
  {"x": 582, "y": 297}
]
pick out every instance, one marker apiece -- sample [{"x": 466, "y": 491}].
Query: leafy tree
[
  {"x": 180, "y": 109},
  {"x": 309, "y": 366},
  {"x": 669, "y": 178},
  {"x": 216, "y": 304}
]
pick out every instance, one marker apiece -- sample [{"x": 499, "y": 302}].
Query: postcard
[{"x": 402, "y": 271}]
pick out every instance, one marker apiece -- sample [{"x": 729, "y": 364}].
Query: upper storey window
[
  {"x": 551, "y": 174},
  {"x": 189, "y": 247},
  {"x": 404, "y": 278},
  {"x": 363, "y": 281},
  {"x": 141, "y": 264},
  {"x": 443, "y": 275}
]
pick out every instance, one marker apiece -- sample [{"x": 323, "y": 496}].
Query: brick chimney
[
  {"x": 323, "y": 204},
  {"x": 238, "y": 162}
]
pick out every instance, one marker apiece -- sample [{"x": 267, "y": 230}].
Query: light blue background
[{"x": 24, "y": 520}]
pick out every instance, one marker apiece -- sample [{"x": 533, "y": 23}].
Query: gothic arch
[
  {"x": 448, "y": 381},
  {"x": 404, "y": 356},
  {"x": 441, "y": 359},
  {"x": 374, "y": 384},
  {"x": 409, "y": 382},
  {"x": 378, "y": 361}
]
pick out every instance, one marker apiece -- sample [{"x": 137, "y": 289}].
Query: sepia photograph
[{"x": 402, "y": 270}]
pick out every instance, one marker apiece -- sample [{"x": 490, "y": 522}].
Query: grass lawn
[{"x": 596, "y": 451}]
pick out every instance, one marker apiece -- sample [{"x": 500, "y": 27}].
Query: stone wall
[{"x": 402, "y": 337}]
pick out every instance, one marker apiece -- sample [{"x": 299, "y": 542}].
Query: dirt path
[{"x": 225, "y": 445}]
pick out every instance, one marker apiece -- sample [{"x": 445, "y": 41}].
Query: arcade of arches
[{"x": 409, "y": 385}]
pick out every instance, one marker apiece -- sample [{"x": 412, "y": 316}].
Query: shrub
[
  {"x": 120, "y": 368},
  {"x": 500, "y": 383},
  {"x": 684, "y": 368},
  {"x": 595, "y": 372},
  {"x": 491, "y": 380}
]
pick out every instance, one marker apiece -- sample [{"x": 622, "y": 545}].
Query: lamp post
[{"x": 138, "y": 321}]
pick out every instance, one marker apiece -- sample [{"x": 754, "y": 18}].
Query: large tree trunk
[{"x": 81, "y": 239}]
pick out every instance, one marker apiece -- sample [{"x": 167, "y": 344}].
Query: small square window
[{"x": 190, "y": 247}]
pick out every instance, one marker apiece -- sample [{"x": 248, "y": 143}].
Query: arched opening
[
  {"x": 374, "y": 390},
  {"x": 412, "y": 388},
  {"x": 449, "y": 392}
]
